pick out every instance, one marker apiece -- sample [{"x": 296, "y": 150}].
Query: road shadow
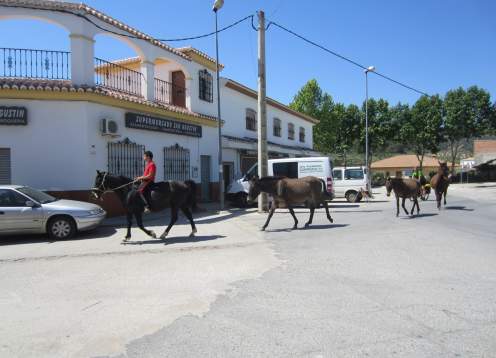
[
  {"x": 425, "y": 215},
  {"x": 357, "y": 211},
  {"x": 485, "y": 186},
  {"x": 460, "y": 207},
  {"x": 311, "y": 227},
  {"x": 19, "y": 239},
  {"x": 175, "y": 240}
]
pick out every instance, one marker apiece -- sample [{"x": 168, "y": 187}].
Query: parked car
[
  {"x": 27, "y": 210},
  {"x": 349, "y": 182},
  {"x": 320, "y": 167}
]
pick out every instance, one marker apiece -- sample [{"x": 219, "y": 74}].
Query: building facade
[{"x": 66, "y": 114}]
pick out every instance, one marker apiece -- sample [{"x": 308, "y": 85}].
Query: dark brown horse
[
  {"x": 404, "y": 188},
  {"x": 440, "y": 183},
  {"x": 174, "y": 194},
  {"x": 288, "y": 192}
]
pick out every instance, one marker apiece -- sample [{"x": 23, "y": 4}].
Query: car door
[
  {"x": 15, "y": 215},
  {"x": 337, "y": 176},
  {"x": 355, "y": 178}
]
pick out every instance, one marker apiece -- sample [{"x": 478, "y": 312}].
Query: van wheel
[
  {"x": 61, "y": 228},
  {"x": 353, "y": 196}
]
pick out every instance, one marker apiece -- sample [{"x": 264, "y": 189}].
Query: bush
[{"x": 378, "y": 179}]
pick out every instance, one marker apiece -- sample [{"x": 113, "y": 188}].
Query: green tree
[
  {"x": 467, "y": 114},
  {"x": 381, "y": 127},
  {"x": 420, "y": 127}
]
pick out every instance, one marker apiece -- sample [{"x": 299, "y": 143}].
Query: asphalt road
[{"x": 369, "y": 285}]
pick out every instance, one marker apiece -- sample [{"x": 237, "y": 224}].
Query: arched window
[
  {"x": 277, "y": 127},
  {"x": 206, "y": 86},
  {"x": 302, "y": 134},
  {"x": 251, "y": 119},
  {"x": 291, "y": 131}
]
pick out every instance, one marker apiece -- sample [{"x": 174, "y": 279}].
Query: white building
[{"x": 63, "y": 115}]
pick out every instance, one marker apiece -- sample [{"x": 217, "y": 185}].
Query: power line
[
  {"x": 346, "y": 58},
  {"x": 86, "y": 18}
]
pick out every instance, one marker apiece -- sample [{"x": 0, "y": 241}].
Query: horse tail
[
  {"x": 192, "y": 193},
  {"x": 324, "y": 189}
]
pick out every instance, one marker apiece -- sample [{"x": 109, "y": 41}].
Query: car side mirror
[{"x": 31, "y": 204}]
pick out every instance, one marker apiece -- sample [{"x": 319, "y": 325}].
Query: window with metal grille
[
  {"x": 291, "y": 132},
  {"x": 277, "y": 127},
  {"x": 176, "y": 163},
  {"x": 251, "y": 119},
  {"x": 5, "y": 169},
  {"x": 126, "y": 158},
  {"x": 206, "y": 86},
  {"x": 302, "y": 134}
]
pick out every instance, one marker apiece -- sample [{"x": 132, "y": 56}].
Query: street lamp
[
  {"x": 367, "y": 70},
  {"x": 217, "y": 6}
]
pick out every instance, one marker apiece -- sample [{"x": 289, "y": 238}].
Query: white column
[
  {"x": 148, "y": 80},
  {"x": 82, "y": 60},
  {"x": 189, "y": 93}
]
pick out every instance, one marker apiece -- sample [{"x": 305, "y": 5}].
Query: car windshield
[{"x": 37, "y": 195}]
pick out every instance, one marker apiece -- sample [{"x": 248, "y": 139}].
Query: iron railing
[
  {"x": 36, "y": 64},
  {"x": 166, "y": 92},
  {"x": 116, "y": 77}
]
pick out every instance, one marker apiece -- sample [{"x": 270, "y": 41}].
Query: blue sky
[{"x": 430, "y": 45}]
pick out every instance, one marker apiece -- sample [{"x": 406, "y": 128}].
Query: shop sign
[
  {"x": 142, "y": 121},
  {"x": 16, "y": 116}
]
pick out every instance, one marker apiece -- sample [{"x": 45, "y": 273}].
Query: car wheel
[
  {"x": 351, "y": 196},
  {"x": 61, "y": 228}
]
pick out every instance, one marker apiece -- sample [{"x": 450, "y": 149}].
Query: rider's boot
[{"x": 147, "y": 207}]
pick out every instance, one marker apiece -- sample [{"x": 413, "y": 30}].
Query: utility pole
[{"x": 262, "y": 110}]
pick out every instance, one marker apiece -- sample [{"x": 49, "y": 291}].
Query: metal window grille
[
  {"x": 302, "y": 134},
  {"x": 176, "y": 163},
  {"x": 206, "y": 86},
  {"x": 251, "y": 119},
  {"x": 126, "y": 158},
  {"x": 5, "y": 166}
]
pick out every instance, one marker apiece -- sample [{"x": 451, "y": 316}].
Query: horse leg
[
  {"x": 438, "y": 199},
  {"x": 403, "y": 205},
  {"x": 445, "y": 193},
  {"x": 310, "y": 219},
  {"x": 129, "y": 217},
  {"x": 188, "y": 214},
  {"x": 294, "y": 217},
  {"x": 271, "y": 212},
  {"x": 173, "y": 220},
  {"x": 139, "y": 220},
  {"x": 397, "y": 205},
  {"x": 327, "y": 211},
  {"x": 418, "y": 206}
]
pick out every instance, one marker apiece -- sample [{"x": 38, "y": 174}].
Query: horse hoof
[
  {"x": 262, "y": 229},
  {"x": 164, "y": 235},
  {"x": 307, "y": 225},
  {"x": 152, "y": 234},
  {"x": 192, "y": 234}
]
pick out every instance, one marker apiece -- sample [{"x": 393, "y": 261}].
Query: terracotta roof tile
[{"x": 405, "y": 161}]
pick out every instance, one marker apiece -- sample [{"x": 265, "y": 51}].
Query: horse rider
[{"x": 147, "y": 179}]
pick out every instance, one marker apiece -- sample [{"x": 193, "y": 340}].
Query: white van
[
  {"x": 349, "y": 182},
  {"x": 320, "y": 167}
]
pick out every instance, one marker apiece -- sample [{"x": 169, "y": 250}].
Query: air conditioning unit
[{"x": 109, "y": 127}]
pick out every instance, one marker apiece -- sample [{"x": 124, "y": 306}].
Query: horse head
[
  {"x": 100, "y": 185},
  {"x": 389, "y": 186},
  {"x": 443, "y": 169},
  {"x": 254, "y": 190}
]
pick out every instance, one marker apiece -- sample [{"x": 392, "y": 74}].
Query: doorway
[
  {"x": 205, "y": 177},
  {"x": 178, "y": 89},
  {"x": 228, "y": 174}
]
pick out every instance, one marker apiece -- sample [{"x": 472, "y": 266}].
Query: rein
[{"x": 102, "y": 189}]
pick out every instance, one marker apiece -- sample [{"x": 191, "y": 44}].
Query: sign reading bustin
[
  {"x": 13, "y": 116},
  {"x": 141, "y": 121}
]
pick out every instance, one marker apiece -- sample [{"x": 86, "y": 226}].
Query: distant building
[
  {"x": 404, "y": 165},
  {"x": 485, "y": 158}
]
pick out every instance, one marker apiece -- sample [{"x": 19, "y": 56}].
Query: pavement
[{"x": 369, "y": 285}]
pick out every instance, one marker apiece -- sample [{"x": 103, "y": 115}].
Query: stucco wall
[{"x": 61, "y": 147}]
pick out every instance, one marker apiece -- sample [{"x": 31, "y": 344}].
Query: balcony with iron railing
[{"x": 56, "y": 65}]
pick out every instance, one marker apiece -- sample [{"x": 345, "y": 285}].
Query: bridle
[{"x": 101, "y": 187}]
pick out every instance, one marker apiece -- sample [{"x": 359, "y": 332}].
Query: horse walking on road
[
  {"x": 404, "y": 188},
  {"x": 174, "y": 194},
  {"x": 288, "y": 192},
  {"x": 440, "y": 183}
]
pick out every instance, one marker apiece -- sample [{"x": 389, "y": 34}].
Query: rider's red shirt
[{"x": 150, "y": 168}]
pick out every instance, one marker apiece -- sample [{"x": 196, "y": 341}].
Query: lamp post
[
  {"x": 217, "y": 6},
  {"x": 369, "y": 69}
]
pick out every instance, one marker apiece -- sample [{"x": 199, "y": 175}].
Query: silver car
[{"x": 27, "y": 210}]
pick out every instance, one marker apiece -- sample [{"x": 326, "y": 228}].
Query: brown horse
[
  {"x": 440, "y": 183},
  {"x": 288, "y": 192},
  {"x": 404, "y": 188}
]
